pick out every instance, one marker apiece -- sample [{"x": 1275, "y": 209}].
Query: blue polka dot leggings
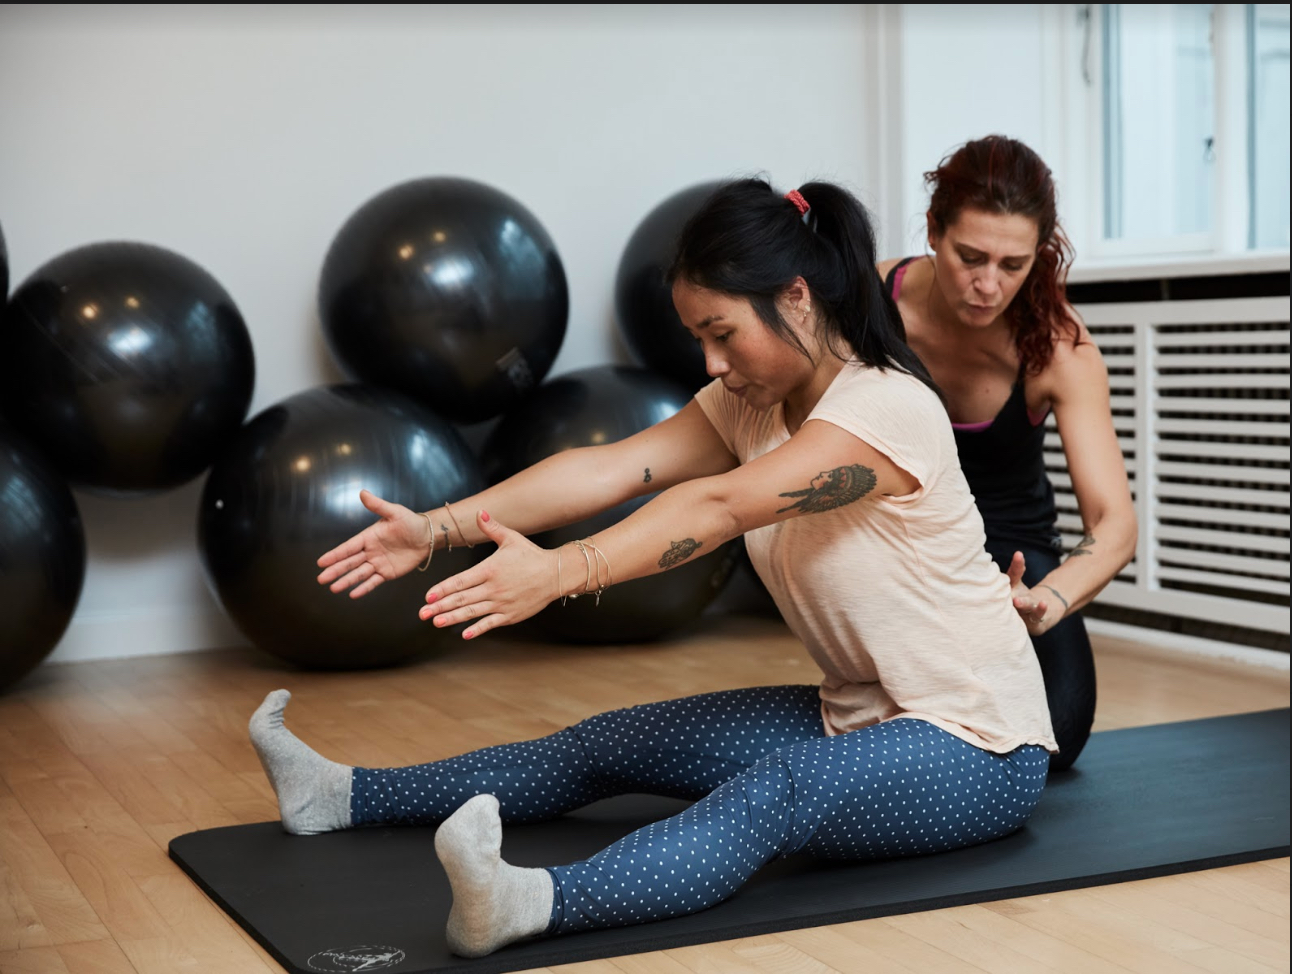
[{"x": 766, "y": 782}]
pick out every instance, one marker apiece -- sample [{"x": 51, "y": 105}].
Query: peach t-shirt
[{"x": 896, "y": 598}]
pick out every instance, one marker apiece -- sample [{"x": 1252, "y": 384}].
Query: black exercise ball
[
  {"x": 127, "y": 364},
  {"x": 585, "y": 408},
  {"x": 4, "y": 269},
  {"x": 643, "y": 299},
  {"x": 42, "y": 557},
  {"x": 448, "y": 291},
  {"x": 286, "y": 490}
]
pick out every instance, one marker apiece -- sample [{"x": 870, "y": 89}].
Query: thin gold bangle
[
  {"x": 560, "y": 589},
  {"x": 430, "y": 550},
  {"x": 587, "y": 584},
  {"x": 598, "y": 558},
  {"x": 457, "y": 525}
]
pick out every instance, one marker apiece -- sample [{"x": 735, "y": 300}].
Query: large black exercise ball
[
  {"x": 286, "y": 490},
  {"x": 586, "y": 408},
  {"x": 643, "y": 299},
  {"x": 448, "y": 291},
  {"x": 42, "y": 557},
  {"x": 128, "y": 364},
  {"x": 4, "y": 269}
]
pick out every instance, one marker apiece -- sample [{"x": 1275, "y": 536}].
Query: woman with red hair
[{"x": 985, "y": 311}]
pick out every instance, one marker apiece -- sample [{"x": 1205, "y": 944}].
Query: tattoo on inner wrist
[
  {"x": 678, "y": 552},
  {"x": 1083, "y": 546},
  {"x": 831, "y": 489},
  {"x": 1056, "y": 595},
  {"x": 647, "y": 478}
]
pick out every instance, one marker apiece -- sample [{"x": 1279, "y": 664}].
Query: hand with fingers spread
[
  {"x": 1031, "y": 605},
  {"x": 393, "y": 546},
  {"x": 515, "y": 582}
]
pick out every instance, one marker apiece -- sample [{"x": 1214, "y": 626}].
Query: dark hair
[
  {"x": 749, "y": 241},
  {"x": 1001, "y": 175}
]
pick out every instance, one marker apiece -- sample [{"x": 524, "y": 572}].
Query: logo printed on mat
[{"x": 348, "y": 959}]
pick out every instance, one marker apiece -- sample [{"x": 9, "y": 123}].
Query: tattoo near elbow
[
  {"x": 1083, "y": 546},
  {"x": 678, "y": 552},
  {"x": 832, "y": 488}
]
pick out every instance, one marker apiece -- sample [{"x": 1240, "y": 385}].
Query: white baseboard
[
  {"x": 121, "y": 635},
  {"x": 1270, "y": 658},
  {"x": 155, "y": 632}
]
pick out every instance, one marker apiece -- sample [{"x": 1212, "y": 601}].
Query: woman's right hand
[{"x": 392, "y": 547}]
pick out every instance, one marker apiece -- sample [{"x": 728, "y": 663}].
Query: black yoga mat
[{"x": 1146, "y": 801}]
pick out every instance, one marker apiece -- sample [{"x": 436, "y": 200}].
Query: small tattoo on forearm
[
  {"x": 1083, "y": 546},
  {"x": 678, "y": 552},
  {"x": 647, "y": 478},
  {"x": 832, "y": 488},
  {"x": 1056, "y": 595}
]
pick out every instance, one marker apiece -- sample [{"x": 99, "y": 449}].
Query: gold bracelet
[
  {"x": 560, "y": 589},
  {"x": 430, "y": 551},
  {"x": 458, "y": 526},
  {"x": 593, "y": 564},
  {"x": 587, "y": 585},
  {"x": 599, "y": 557},
  {"x": 587, "y": 582}
]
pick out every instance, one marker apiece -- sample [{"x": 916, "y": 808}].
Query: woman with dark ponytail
[
  {"x": 986, "y": 313},
  {"x": 823, "y": 441}
]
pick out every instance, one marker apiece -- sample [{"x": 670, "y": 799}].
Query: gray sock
[
  {"x": 313, "y": 792},
  {"x": 494, "y": 902}
]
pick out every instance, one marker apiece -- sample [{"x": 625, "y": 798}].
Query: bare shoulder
[
  {"x": 884, "y": 266},
  {"x": 1077, "y": 363}
]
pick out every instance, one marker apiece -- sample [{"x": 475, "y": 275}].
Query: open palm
[{"x": 393, "y": 546}]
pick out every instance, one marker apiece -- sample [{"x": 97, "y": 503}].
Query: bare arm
[
  {"x": 820, "y": 468},
  {"x": 1083, "y": 411},
  {"x": 561, "y": 489},
  {"x": 578, "y": 483}
]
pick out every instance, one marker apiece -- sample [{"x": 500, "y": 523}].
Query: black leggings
[{"x": 1067, "y": 663}]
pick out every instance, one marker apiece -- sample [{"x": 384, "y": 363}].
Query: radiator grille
[{"x": 1200, "y": 404}]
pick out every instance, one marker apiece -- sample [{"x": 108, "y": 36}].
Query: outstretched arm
[
  {"x": 561, "y": 489},
  {"x": 822, "y": 467},
  {"x": 1084, "y": 414}
]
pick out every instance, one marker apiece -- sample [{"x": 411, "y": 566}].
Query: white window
[
  {"x": 1189, "y": 108},
  {"x": 1268, "y": 70}
]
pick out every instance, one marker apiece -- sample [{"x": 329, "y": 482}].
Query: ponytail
[{"x": 749, "y": 241}]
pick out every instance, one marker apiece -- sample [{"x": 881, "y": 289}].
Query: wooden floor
[{"x": 102, "y": 763}]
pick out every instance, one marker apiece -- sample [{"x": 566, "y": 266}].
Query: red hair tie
[{"x": 795, "y": 197}]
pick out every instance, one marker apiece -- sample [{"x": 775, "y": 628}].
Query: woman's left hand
[
  {"x": 515, "y": 582},
  {"x": 1032, "y": 608}
]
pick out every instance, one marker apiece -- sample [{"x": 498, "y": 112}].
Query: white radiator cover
[{"x": 1200, "y": 405}]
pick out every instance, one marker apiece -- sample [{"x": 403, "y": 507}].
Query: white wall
[
  {"x": 969, "y": 70},
  {"x": 243, "y": 136}
]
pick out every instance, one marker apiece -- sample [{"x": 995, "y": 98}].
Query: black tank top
[{"x": 1005, "y": 466}]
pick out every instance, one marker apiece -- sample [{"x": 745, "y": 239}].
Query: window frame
[{"x": 1083, "y": 109}]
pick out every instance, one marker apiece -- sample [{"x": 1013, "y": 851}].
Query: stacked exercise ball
[
  {"x": 589, "y": 407},
  {"x": 643, "y": 299},
  {"x": 448, "y": 291},
  {"x": 287, "y": 490},
  {"x": 4, "y": 269},
  {"x": 42, "y": 557},
  {"x": 128, "y": 364}
]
